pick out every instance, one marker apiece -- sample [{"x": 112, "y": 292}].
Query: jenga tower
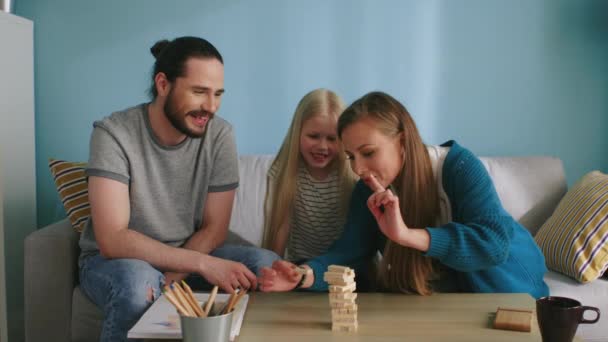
[{"x": 342, "y": 298}]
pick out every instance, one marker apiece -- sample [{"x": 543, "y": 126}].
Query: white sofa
[{"x": 529, "y": 187}]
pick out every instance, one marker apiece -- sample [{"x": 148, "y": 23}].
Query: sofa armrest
[{"x": 50, "y": 272}]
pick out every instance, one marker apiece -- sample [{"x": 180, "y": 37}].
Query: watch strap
[{"x": 304, "y": 272}]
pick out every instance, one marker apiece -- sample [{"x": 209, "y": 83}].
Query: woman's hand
[
  {"x": 280, "y": 278},
  {"x": 384, "y": 205}
]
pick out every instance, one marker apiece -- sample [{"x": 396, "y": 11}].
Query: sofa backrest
[
  {"x": 529, "y": 187},
  {"x": 247, "y": 220}
]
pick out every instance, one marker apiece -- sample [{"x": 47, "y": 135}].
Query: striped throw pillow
[
  {"x": 71, "y": 184},
  {"x": 574, "y": 239}
]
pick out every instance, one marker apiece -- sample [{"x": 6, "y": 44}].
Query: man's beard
[{"x": 179, "y": 122}]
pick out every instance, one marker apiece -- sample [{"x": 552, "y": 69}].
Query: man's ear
[{"x": 162, "y": 84}]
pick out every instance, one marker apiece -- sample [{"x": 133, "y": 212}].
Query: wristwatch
[{"x": 305, "y": 272}]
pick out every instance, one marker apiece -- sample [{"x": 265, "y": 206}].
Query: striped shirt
[{"x": 315, "y": 222}]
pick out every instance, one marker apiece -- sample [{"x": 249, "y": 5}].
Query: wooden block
[
  {"x": 349, "y": 273},
  {"x": 343, "y": 288},
  {"x": 344, "y": 319},
  {"x": 342, "y": 295},
  {"x": 513, "y": 319},
  {"x": 343, "y": 311},
  {"x": 339, "y": 269},
  {"x": 345, "y": 327},
  {"x": 342, "y": 301},
  {"x": 343, "y": 305},
  {"x": 339, "y": 281},
  {"x": 352, "y": 318}
]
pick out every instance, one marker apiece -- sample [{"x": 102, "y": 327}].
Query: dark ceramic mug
[{"x": 558, "y": 317}]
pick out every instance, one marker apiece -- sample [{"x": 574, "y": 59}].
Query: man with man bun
[{"x": 162, "y": 179}]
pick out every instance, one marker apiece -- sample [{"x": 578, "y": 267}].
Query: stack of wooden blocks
[{"x": 342, "y": 298}]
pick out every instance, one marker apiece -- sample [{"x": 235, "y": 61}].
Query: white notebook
[{"x": 161, "y": 321}]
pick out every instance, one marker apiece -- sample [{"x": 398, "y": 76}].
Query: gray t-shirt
[{"x": 168, "y": 185}]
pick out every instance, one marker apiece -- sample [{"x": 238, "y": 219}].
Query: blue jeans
[{"x": 124, "y": 288}]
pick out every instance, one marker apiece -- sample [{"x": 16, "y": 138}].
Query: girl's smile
[{"x": 319, "y": 144}]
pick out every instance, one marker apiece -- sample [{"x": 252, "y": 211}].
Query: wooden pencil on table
[
  {"x": 190, "y": 297},
  {"x": 210, "y": 300},
  {"x": 180, "y": 298},
  {"x": 175, "y": 303},
  {"x": 230, "y": 299},
  {"x": 184, "y": 298},
  {"x": 236, "y": 300}
]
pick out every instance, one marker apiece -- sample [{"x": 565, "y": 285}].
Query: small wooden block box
[{"x": 513, "y": 319}]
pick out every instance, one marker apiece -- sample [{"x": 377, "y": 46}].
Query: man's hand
[
  {"x": 280, "y": 278},
  {"x": 228, "y": 275},
  {"x": 384, "y": 205}
]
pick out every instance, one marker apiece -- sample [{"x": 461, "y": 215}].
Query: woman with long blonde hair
[
  {"x": 309, "y": 181},
  {"x": 432, "y": 211}
]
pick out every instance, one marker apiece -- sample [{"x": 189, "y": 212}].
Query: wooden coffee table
[{"x": 305, "y": 316}]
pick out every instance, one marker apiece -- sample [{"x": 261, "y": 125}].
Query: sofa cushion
[
  {"x": 71, "y": 183},
  {"x": 574, "y": 239},
  {"x": 86, "y": 318}
]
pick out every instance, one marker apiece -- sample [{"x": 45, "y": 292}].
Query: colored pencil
[
  {"x": 190, "y": 296},
  {"x": 175, "y": 303},
  {"x": 210, "y": 300}
]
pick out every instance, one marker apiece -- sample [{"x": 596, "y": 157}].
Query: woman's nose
[{"x": 357, "y": 167}]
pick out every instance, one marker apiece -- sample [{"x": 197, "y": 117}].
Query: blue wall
[
  {"x": 517, "y": 77},
  {"x": 503, "y": 77}
]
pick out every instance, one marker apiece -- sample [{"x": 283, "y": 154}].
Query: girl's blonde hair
[
  {"x": 281, "y": 191},
  {"x": 402, "y": 269}
]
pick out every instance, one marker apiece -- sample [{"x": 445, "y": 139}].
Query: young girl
[
  {"x": 433, "y": 213},
  {"x": 309, "y": 182}
]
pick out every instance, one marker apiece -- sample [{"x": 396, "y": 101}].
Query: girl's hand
[
  {"x": 280, "y": 278},
  {"x": 384, "y": 205}
]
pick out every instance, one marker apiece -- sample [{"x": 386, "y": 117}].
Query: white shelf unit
[{"x": 17, "y": 165}]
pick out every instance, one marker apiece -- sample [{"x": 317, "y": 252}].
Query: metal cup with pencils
[{"x": 210, "y": 321}]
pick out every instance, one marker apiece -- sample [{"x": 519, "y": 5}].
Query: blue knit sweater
[{"x": 483, "y": 247}]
